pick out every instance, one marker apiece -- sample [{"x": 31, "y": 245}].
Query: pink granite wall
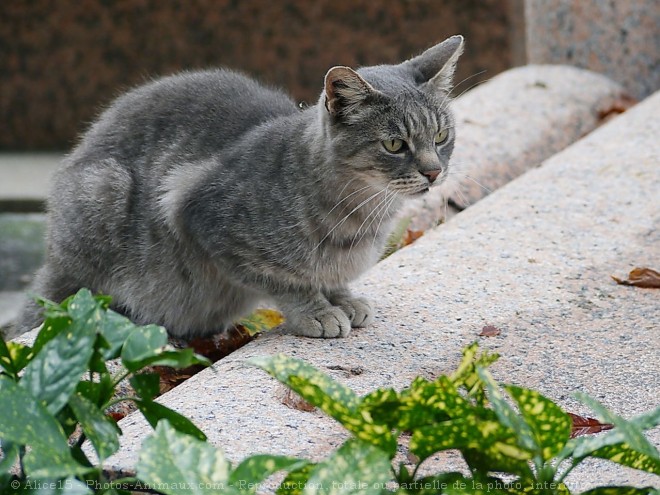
[
  {"x": 617, "y": 38},
  {"x": 61, "y": 61}
]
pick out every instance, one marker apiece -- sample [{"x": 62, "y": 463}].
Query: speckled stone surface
[
  {"x": 620, "y": 39},
  {"x": 533, "y": 259},
  {"x": 499, "y": 138},
  {"x": 63, "y": 61}
]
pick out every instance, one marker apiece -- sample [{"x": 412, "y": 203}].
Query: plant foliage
[{"x": 55, "y": 396}]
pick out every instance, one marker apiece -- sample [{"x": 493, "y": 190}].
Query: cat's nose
[{"x": 431, "y": 175}]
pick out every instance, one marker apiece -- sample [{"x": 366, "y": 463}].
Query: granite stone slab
[
  {"x": 619, "y": 39},
  {"x": 533, "y": 259},
  {"x": 511, "y": 124}
]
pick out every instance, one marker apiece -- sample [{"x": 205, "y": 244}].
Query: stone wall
[
  {"x": 62, "y": 62},
  {"x": 617, "y": 38}
]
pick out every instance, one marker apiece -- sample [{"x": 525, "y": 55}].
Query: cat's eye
[
  {"x": 394, "y": 145},
  {"x": 441, "y": 136}
]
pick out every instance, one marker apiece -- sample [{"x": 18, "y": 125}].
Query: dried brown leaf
[
  {"x": 490, "y": 331},
  {"x": 293, "y": 401},
  {"x": 645, "y": 278},
  {"x": 587, "y": 426}
]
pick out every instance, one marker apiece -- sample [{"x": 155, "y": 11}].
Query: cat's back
[{"x": 200, "y": 111}]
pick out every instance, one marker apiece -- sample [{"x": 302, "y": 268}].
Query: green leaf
[
  {"x": 466, "y": 373},
  {"x": 383, "y": 406},
  {"x": 623, "y": 454},
  {"x": 485, "y": 444},
  {"x": 155, "y": 412},
  {"x": 9, "y": 456},
  {"x": 550, "y": 425},
  {"x": 427, "y": 402},
  {"x": 621, "y": 490},
  {"x": 250, "y": 474},
  {"x": 175, "y": 463},
  {"x": 333, "y": 398},
  {"x": 68, "y": 486},
  {"x": 141, "y": 344},
  {"x": 101, "y": 430},
  {"x": 146, "y": 385},
  {"x": 295, "y": 481},
  {"x": 630, "y": 433},
  {"x": 54, "y": 373},
  {"x": 507, "y": 415},
  {"x": 13, "y": 357},
  {"x": 115, "y": 329},
  {"x": 356, "y": 467},
  {"x": 25, "y": 421}
]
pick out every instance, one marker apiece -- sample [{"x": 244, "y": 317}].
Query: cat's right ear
[{"x": 345, "y": 91}]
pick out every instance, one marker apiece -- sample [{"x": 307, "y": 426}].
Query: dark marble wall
[{"x": 60, "y": 62}]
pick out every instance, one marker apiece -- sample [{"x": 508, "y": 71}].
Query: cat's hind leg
[{"x": 358, "y": 309}]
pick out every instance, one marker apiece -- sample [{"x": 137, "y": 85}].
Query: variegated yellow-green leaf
[
  {"x": 295, "y": 481},
  {"x": 333, "y": 398},
  {"x": 250, "y": 474},
  {"x": 486, "y": 444},
  {"x": 178, "y": 464},
  {"x": 550, "y": 425},
  {"x": 261, "y": 320},
  {"x": 507, "y": 415},
  {"x": 629, "y": 431},
  {"x": 355, "y": 468},
  {"x": 622, "y": 490},
  {"x": 626, "y": 456},
  {"x": 101, "y": 430},
  {"x": 27, "y": 422},
  {"x": 427, "y": 402}
]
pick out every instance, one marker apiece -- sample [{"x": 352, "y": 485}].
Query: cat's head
[{"x": 391, "y": 123}]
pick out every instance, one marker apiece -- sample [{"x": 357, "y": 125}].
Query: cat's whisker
[
  {"x": 373, "y": 212},
  {"x": 343, "y": 220},
  {"x": 386, "y": 212},
  {"x": 466, "y": 176}
]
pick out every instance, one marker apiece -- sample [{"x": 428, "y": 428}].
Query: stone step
[{"x": 534, "y": 259}]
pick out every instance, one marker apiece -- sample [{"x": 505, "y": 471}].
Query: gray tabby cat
[{"x": 197, "y": 196}]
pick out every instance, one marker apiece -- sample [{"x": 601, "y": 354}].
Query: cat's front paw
[
  {"x": 328, "y": 323},
  {"x": 358, "y": 309}
]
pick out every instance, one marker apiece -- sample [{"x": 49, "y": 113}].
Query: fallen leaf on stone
[
  {"x": 260, "y": 321},
  {"x": 645, "y": 278},
  {"x": 411, "y": 236},
  {"x": 587, "y": 426},
  {"x": 490, "y": 331},
  {"x": 293, "y": 401}
]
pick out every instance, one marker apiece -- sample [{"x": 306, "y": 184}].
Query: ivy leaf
[
  {"x": 261, "y": 321},
  {"x": 101, "y": 431},
  {"x": 27, "y": 422},
  {"x": 356, "y": 467},
  {"x": 54, "y": 373},
  {"x": 333, "y": 398},
  {"x": 179, "y": 464},
  {"x": 253, "y": 471},
  {"x": 550, "y": 425},
  {"x": 154, "y": 412}
]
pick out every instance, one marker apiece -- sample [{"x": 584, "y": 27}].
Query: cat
[{"x": 196, "y": 196}]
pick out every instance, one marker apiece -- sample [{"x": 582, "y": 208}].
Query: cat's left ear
[
  {"x": 345, "y": 91},
  {"x": 436, "y": 66}
]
